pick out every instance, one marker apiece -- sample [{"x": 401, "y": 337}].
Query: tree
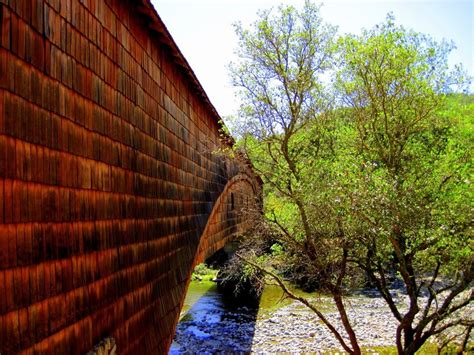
[
  {"x": 365, "y": 187},
  {"x": 414, "y": 192},
  {"x": 287, "y": 134}
]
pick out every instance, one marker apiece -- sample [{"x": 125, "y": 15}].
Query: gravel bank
[
  {"x": 294, "y": 328},
  {"x": 291, "y": 328}
]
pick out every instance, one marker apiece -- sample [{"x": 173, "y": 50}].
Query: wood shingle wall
[{"x": 108, "y": 177}]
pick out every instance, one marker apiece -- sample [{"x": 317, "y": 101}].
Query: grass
[
  {"x": 426, "y": 349},
  {"x": 203, "y": 273}
]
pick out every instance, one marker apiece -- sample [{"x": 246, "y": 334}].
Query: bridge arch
[
  {"x": 227, "y": 220},
  {"x": 227, "y": 217}
]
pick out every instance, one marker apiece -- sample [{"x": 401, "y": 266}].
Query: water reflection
[{"x": 211, "y": 321}]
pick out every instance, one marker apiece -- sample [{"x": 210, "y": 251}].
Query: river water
[{"x": 212, "y": 322}]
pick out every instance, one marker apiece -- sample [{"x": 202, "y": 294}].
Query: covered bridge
[{"x": 111, "y": 189}]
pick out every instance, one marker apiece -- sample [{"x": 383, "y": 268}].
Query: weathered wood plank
[{"x": 107, "y": 177}]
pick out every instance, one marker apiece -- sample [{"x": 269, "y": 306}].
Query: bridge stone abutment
[{"x": 110, "y": 190}]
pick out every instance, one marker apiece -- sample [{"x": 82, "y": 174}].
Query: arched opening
[{"x": 211, "y": 317}]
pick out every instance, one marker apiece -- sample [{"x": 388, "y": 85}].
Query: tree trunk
[{"x": 345, "y": 321}]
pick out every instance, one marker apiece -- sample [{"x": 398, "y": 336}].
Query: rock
[{"x": 288, "y": 329}]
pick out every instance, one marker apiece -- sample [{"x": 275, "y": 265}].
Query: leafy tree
[
  {"x": 283, "y": 61},
  {"x": 413, "y": 194},
  {"x": 377, "y": 184}
]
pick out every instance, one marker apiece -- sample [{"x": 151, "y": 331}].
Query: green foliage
[
  {"x": 242, "y": 280},
  {"x": 380, "y": 183},
  {"x": 394, "y": 80},
  {"x": 276, "y": 249},
  {"x": 203, "y": 273},
  {"x": 414, "y": 146},
  {"x": 282, "y": 58}
]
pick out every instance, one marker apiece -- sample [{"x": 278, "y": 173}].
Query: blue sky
[{"x": 204, "y": 33}]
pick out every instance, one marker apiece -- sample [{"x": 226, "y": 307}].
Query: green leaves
[
  {"x": 377, "y": 181},
  {"x": 394, "y": 80},
  {"x": 282, "y": 58}
]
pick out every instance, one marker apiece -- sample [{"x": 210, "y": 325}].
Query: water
[{"x": 210, "y": 321}]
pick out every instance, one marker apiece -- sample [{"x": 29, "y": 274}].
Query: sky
[{"x": 204, "y": 33}]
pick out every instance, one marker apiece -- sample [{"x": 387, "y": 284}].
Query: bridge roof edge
[{"x": 158, "y": 26}]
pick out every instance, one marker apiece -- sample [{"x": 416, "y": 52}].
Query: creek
[
  {"x": 213, "y": 323},
  {"x": 210, "y": 322}
]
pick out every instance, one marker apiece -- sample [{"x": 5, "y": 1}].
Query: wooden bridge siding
[
  {"x": 229, "y": 216},
  {"x": 107, "y": 178},
  {"x": 225, "y": 222}
]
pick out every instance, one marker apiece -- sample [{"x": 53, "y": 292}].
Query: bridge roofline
[{"x": 146, "y": 8}]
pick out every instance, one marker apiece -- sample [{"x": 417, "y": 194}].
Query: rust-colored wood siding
[{"x": 107, "y": 177}]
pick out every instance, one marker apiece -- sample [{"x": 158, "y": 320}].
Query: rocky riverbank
[
  {"x": 294, "y": 328},
  {"x": 289, "y": 327}
]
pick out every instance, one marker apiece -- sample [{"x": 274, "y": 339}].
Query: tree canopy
[{"x": 368, "y": 175}]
